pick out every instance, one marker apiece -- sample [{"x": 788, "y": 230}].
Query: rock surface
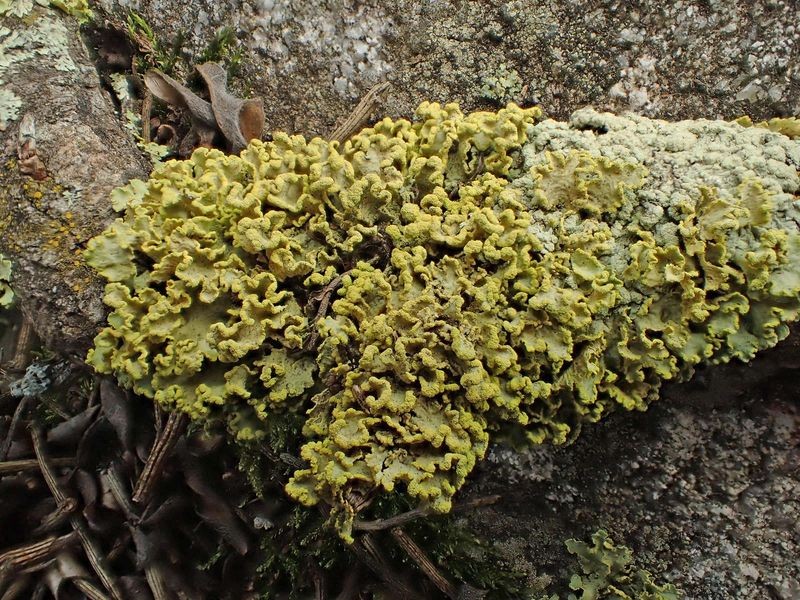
[
  {"x": 312, "y": 60},
  {"x": 704, "y": 486},
  {"x": 81, "y": 143}
]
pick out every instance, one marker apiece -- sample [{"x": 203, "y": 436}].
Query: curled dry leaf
[
  {"x": 251, "y": 119},
  {"x": 238, "y": 120},
  {"x": 69, "y": 432},
  {"x": 165, "y": 135},
  {"x": 165, "y": 88},
  {"x": 117, "y": 408}
]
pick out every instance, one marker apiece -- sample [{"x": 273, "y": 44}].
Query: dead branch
[
  {"x": 176, "y": 424},
  {"x": 93, "y": 552}
]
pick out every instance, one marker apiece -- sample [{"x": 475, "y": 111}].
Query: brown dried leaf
[
  {"x": 170, "y": 91},
  {"x": 172, "y": 506},
  {"x": 86, "y": 485},
  {"x": 147, "y": 547},
  {"x": 117, "y": 408},
  {"x": 64, "y": 568},
  {"x": 98, "y": 446},
  {"x": 135, "y": 587},
  {"x": 70, "y": 431},
  {"x": 228, "y": 109},
  {"x": 213, "y": 508}
]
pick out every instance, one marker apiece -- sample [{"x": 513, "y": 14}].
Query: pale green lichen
[
  {"x": 122, "y": 88},
  {"x": 428, "y": 285},
  {"x": 22, "y": 8},
  {"x": 40, "y": 34},
  {"x": 155, "y": 152},
  {"x": 79, "y": 9},
  {"x": 607, "y": 571},
  {"x": 6, "y": 293},
  {"x": 502, "y": 86},
  {"x": 133, "y": 121}
]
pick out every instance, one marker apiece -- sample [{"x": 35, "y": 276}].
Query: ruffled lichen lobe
[
  {"x": 6, "y": 292},
  {"x": 430, "y": 285},
  {"x": 608, "y": 571}
]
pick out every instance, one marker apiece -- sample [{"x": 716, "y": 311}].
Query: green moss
[
  {"x": 155, "y": 54},
  {"x": 487, "y": 565},
  {"x": 225, "y": 49},
  {"x": 427, "y": 286}
]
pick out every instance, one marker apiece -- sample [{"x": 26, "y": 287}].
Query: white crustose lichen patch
[{"x": 42, "y": 34}]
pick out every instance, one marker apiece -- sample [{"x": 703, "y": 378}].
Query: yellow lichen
[
  {"x": 6, "y": 293},
  {"x": 429, "y": 285}
]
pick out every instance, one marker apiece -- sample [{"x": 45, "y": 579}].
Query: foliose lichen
[
  {"x": 427, "y": 286},
  {"x": 79, "y": 9},
  {"x": 607, "y": 571},
  {"x": 502, "y": 86},
  {"x": 6, "y": 293}
]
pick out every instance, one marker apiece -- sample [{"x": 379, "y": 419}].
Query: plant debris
[{"x": 239, "y": 121}]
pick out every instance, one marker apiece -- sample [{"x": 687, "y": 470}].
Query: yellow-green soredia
[{"x": 427, "y": 286}]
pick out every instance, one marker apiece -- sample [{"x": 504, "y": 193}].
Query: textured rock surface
[
  {"x": 310, "y": 60},
  {"x": 704, "y": 486},
  {"x": 86, "y": 153}
]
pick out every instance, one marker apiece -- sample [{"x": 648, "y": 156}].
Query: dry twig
[
  {"x": 30, "y": 464},
  {"x": 90, "y": 590},
  {"x": 417, "y": 513},
  {"x": 32, "y": 556},
  {"x": 93, "y": 552},
  {"x": 359, "y": 114},
  {"x": 368, "y": 552},
  {"x": 176, "y": 423},
  {"x": 147, "y": 106},
  {"x": 54, "y": 520},
  {"x": 119, "y": 490},
  {"x": 424, "y": 563},
  {"x": 12, "y": 429}
]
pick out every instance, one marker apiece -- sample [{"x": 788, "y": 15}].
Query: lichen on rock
[
  {"x": 430, "y": 285},
  {"x": 28, "y": 29},
  {"x": 607, "y": 571},
  {"x": 6, "y": 293}
]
